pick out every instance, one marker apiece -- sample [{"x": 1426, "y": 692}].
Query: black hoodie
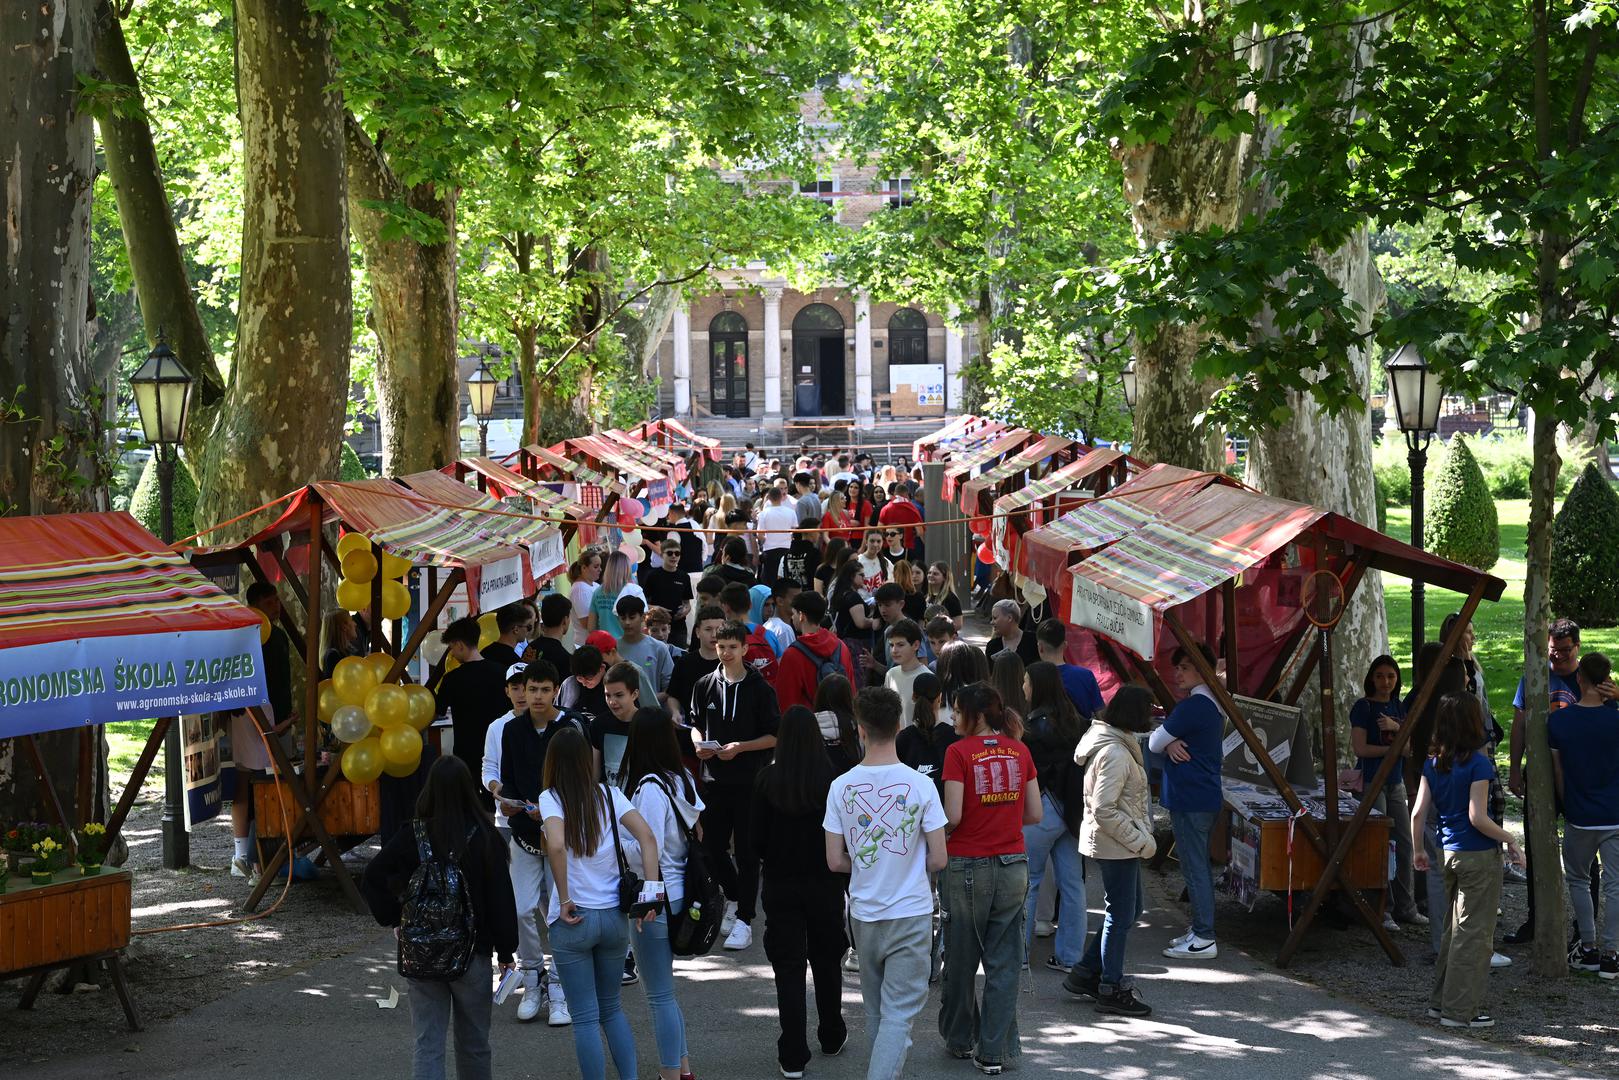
[{"x": 727, "y": 712}]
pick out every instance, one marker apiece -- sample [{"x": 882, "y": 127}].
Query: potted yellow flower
[
  {"x": 49, "y": 856},
  {"x": 92, "y": 848}
]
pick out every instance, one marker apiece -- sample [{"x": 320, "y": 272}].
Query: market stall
[
  {"x": 673, "y": 435},
  {"x": 1037, "y": 501},
  {"x": 961, "y": 430},
  {"x": 102, "y": 622},
  {"x": 969, "y": 461},
  {"x": 1043, "y": 455}
]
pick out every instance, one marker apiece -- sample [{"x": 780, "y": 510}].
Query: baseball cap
[
  {"x": 515, "y": 670},
  {"x": 601, "y": 641}
]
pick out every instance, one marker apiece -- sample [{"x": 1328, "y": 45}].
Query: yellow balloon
[
  {"x": 407, "y": 769},
  {"x": 353, "y": 680},
  {"x": 401, "y": 745},
  {"x": 421, "y": 706},
  {"x": 353, "y": 596},
  {"x": 264, "y": 628},
  {"x": 381, "y": 663},
  {"x": 352, "y": 542},
  {"x": 393, "y": 566},
  {"x": 387, "y": 706},
  {"x": 395, "y": 600},
  {"x": 362, "y": 762},
  {"x": 450, "y": 664},
  {"x": 359, "y": 566},
  {"x": 330, "y": 700}
]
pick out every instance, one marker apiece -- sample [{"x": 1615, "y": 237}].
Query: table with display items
[
  {"x": 1264, "y": 852},
  {"x": 75, "y": 919}
]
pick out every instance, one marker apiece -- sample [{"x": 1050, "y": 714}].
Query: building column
[
  {"x": 862, "y": 360},
  {"x": 953, "y": 348},
  {"x": 680, "y": 332},
  {"x": 772, "y": 343}
]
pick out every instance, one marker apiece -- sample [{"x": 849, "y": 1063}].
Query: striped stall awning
[
  {"x": 672, "y": 463},
  {"x": 963, "y": 465},
  {"x": 1007, "y": 534},
  {"x": 508, "y": 483},
  {"x": 610, "y": 455},
  {"x": 540, "y": 538},
  {"x": 1023, "y": 460},
  {"x": 710, "y": 448}
]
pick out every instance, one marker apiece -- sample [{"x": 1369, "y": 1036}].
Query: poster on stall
[
  {"x": 1280, "y": 731},
  {"x": 199, "y": 750}
]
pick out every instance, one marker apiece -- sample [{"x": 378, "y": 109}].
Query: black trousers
[
  {"x": 804, "y": 926},
  {"x": 728, "y": 823}
]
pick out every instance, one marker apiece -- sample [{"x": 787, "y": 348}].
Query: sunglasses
[{"x": 892, "y": 532}]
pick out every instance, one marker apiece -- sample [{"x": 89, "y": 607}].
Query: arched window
[
  {"x": 818, "y": 362},
  {"x": 728, "y": 364},
  {"x": 907, "y": 337},
  {"x": 818, "y": 317}
]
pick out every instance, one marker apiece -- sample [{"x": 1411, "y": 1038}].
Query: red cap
[{"x": 601, "y": 641}]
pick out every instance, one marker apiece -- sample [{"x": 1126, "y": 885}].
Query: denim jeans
[
  {"x": 893, "y": 986},
  {"x": 983, "y": 912},
  {"x": 590, "y": 959},
  {"x": 1051, "y": 840},
  {"x": 1580, "y": 848},
  {"x": 431, "y": 1006},
  {"x": 656, "y": 962},
  {"x": 1121, "y": 907},
  {"x": 1192, "y": 828}
]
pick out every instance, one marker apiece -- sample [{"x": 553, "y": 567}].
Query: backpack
[
  {"x": 693, "y": 931},
  {"x": 759, "y": 655},
  {"x": 825, "y": 666},
  {"x": 438, "y": 928}
]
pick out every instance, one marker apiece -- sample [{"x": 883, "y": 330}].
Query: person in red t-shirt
[
  {"x": 990, "y": 793},
  {"x": 900, "y": 510}
]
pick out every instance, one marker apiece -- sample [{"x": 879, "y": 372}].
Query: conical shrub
[
  {"x": 1461, "y": 522},
  {"x": 1585, "y": 552}
]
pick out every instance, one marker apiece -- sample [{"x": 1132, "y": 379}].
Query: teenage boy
[
  {"x": 517, "y": 694},
  {"x": 890, "y": 600},
  {"x": 763, "y": 650},
  {"x": 734, "y": 719},
  {"x": 799, "y": 675},
  {"x": 555, "y": 612},
  {"x": 1190, "y": 740},
  {"x": 905, "y": 653},
  {"x": 582, "y": 691},
  {"x": 778, "y": 611},
  {"x": 668, "y": 587},
  {"x": 649, "y": 655},
  {"x": 513, "y": 623},
  {"x": 884, "y": 827},
  {"x": 697, "y": 661},
  {"x": 474, "y": 693},
  {"x": 658, "y": 625},
  {"x": 808, "y": 503},
  {"x": 610, "y": 734},
  {"x": 523, "y": 746},
  {"x": 1052, "y": 638},
  {"x": 941, "y": 632},
  {"x": 1584, "y": 740}
]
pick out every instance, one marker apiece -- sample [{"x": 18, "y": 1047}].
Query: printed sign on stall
[
  {"x": 199, "y": 741},
  {"x": 499, "y": 584},
  {"x": 1122, "y": 618}
]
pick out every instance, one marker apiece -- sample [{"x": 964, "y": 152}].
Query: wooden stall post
[
  {"x": 1329, "y": 737},
  {"x": 154, "y": 743}
]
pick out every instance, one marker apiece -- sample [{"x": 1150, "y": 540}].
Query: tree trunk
[
  {"x": 413, "y": 311},
  {"x": 53, "y": 453},
  {"x": 1551, "y": 921},
  {"x": 283, "y": 423},
  {"x": 643, "y": 332},
  {"x": 167, "y": 302}
]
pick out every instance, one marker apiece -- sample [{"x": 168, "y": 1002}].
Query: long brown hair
[
  {"x": 570, "y": 772},
  {"x": 981, "y": 701},
  {"x": 1458, "y": 729},
  {"x": 448, "y": 806}
]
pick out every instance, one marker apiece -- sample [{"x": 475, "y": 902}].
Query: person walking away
[
  {"x": 1190, "y": 740},
  {"x": 812, "y": 655},
  {"x": 450, "y": 827},
  {"x": 803, "y": 898},
  {"x": 1584, "y": 739},
  {"x": 774, "y": 529},
  {"x": 733, "y": 719},
  {"x": 1455, "y": 786},
  {"x": 525, "y": 741},
  {"x": 589, "y": 931},
  {"x": 665, "y": 794},
  {"x": 1052, "y": 731},
  {"x": 1374, "y": 721},
  {"x": 884, "y": 827},
  {"x": 1116, "y": 834},
  {"x": 991, "y": 792}
]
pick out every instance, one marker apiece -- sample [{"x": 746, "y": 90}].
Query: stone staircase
[{"x": 887, "y": 439}]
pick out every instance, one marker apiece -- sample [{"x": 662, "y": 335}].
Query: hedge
[
  {"x": 349, "y": 467},
  {"x": 1585, "y": 553},
  {"x": 147, "y": 508},
  {"x": 1461, "y": 521}
]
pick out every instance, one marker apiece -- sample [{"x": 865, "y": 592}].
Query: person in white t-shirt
[
  {"x": 904, "y": 649},
  {"x": 589, "y": 934},
  {"x": 775, "y": 530},
  {"x": 884, "y": 827},
  {"x": 585, "y": 574},
  {"x": 517, "y": 694}
]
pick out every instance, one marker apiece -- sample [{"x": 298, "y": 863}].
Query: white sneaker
[
  {"x": 1499, "y": 960},
  {"x": 533, "y": 997},
  {"x": 1181, "y": 940},
  {"x": 1193, "y": 948},
  {"x": 728, "y": 922},
  {"x": 851, "y": 961},
  {"x": 559, "y": 1015},
  {"x": 740, "y": 937},
  {"x": 1044, "y": 928},
  {"x": 239, "y": 868},
  {"x": 1390, "y": 925}
]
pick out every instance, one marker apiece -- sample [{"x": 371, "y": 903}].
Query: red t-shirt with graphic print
[{"x": 992, "y": 770}]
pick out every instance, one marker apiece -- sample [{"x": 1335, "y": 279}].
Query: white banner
[
  {"x": 1124, "y": 619},
  {"x": 500, "y": 584},
  {"x": 547, "y": 556}
]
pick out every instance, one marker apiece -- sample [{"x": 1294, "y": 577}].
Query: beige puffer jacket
[{"x": 1118, "y": 823}]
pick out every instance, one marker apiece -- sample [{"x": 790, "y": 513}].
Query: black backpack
[
  {"x": 437, "y": 929},
  {"x": 825, "y": 666},
  {"x": 694, "y": 930}
]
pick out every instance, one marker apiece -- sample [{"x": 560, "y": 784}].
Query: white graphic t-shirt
[{"x": 882, "y": 812}]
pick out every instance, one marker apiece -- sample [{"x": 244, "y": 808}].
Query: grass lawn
[
  {"x": 125, "y": 740},
  {"x": 1498, "y": 627}
]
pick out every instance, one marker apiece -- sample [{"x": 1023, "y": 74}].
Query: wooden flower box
[
  {"x": 348, "y": 810},
  {"x": 71, "y": 918}
]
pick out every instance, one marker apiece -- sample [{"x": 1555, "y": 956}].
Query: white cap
[{"x": 515, "y": 670}]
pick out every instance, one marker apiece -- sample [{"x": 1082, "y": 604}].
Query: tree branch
[
  {"x": 590, "y": 334},
  {"x": 1582, "y": 88}
]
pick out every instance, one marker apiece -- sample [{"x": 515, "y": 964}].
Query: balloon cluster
[
  {"x": 360, "y": 569},
  {"x": 381, "y": 722}
]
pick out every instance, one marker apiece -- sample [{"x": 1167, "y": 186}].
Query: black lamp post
[
  {"x": 1417, "y": 396},
  {"x": 163, "y": 397},
  {"x": 481, "y": 386}
]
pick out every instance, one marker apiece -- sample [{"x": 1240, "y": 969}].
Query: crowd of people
[{"x": 777, "y": 698}]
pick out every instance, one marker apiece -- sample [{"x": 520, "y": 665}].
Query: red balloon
[
  {"x": 986, "y": 554},
  {"x": 979, "y": 526}
]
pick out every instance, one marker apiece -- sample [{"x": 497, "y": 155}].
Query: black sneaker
[
  {"x": 1482, "y": 1020},
  {"x": 833, "y": 1051},
  {"x": 1584, "y": 958},
  {"x": 988, "y": 1068},
  {"x": 1123, "y": 1002},
  {"x": 1521, "y": 936},
  {"x": 1610, "y": 966},
  {"x": 1085, "y": 985},
  {"x": 1057, "y": 965},
  {"x": 631, "y": 976}
]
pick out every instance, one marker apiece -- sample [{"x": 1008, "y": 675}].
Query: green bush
[
  {"x": 1461, "y": 522},
  {"x": 1585, "y": 556},
  {"x": 148, "y": 510},
  {"x": 1391, "y": 470},
  {"x": 350, "y": 467},
  {"x": 1506, "y": 461}
]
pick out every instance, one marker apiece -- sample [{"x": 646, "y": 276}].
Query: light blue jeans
[
  {"x": 656, "y": 961},
  {"x": 1192, "y": 828},
  {"x": 1051, "y": 840},
  {"x": 590, "y": 958}
]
